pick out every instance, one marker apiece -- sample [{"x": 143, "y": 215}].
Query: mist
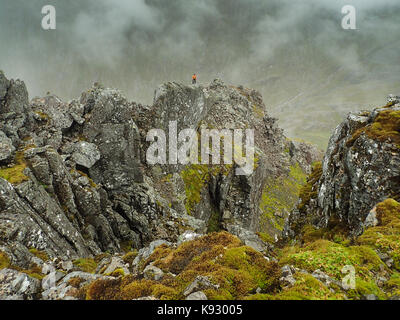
[{"x": 294, "y": 52}]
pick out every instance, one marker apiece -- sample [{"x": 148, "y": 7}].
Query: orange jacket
[{"x": 194, "y": 77}]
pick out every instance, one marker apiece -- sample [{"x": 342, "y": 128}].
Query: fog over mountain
[{"x": 310, "y": 71}]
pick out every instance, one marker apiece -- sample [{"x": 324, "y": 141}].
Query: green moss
[
  {"x": 126, "y": 246},
  {"x": 336, "y": 231},
  {"x": 214, "y": 223},
  {"x": 266, "y": 237},
  {"x": 195, "y": 178},
  {"x": 237, "y": 269},
  {"x": 75, "y": 282},
  {"x": 364, "y": 288},
  {"x": 307, "y": 288},
  {"x": 116, "y": 273},
  {"x": 310, "y": 189},
  {"x": 130, "y": 256},
  {"x": 137, "y": 289},
  {"x": 86, "y": 265},
  {"x": 280, "y": 195},
  {"x": 15, "y": 174},
  {"x": 385, "y": 236},
  {"x": 4, "y": 261},
  {"x": 163, "y": 292},
  {"x": 386, "y": 126},
  {"x": 331, "y": 257},
  {"x": 34, "y": 271},
  {"x": 43, "y": 116},
  {"x": 103, "y": 289},
  {"x": 253, "y": 267},
  {"x": 39, "y": 254},
  {"x": 393, "y": 284}
]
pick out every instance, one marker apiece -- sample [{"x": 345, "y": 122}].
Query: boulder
[
  {"x": 200, "y": 295},
  {"x": 153, "y": 273},
  {"x": 116, "y": 263},
  {"x": 6, "y": 147},
  {"x": 18, "y": 285},
  {"x": 86, "y": 154},
  {"x": 199, "y": 284},
  {"x": 51, "y": 279}
]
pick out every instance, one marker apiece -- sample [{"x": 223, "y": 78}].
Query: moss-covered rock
[
  {"x": 86, "y": 265},
  {"x": 385, "y": 236},
  {"x": 15, "y": 173},
  {"x": 236, "y": 269},
  {"x": 4, "y": 261},
  {"x": 278, "y": 198}
]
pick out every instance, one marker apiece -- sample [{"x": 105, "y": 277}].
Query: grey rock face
[
  {"x": 393, "y": 98},
  {"x": 4, "y": 84},
  {"x": 358, "y": 173},
  {"x": 326, "y": 280},
  {"x": 51, "y": 279},
  {"x": 6, "y": 147},
  {"x": 86, "y": 154},
  {"x": 287, "y": 278},
  {"x": 18, "y": 285},
  {"x": 371, "y": 220},
  {"x": 219, "y": 106}
]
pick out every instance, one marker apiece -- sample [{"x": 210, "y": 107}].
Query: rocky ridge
[
  {"x": 360, "y": 169},
  {"x": 75, "y": 184},
  {"x": 82, "y": 216}
]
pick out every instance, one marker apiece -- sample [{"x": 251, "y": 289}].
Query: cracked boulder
[{"x": 86, "y": 154}]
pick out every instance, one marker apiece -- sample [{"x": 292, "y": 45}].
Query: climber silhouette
[{"x": 194, "y": 79}]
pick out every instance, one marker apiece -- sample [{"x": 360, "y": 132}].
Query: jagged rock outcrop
[
  {"x": 71, "y": 181},
  {"x": 216, "y": 194},
  {"x": 360, "y": 169},
  {"x": 75, "y": 182}
]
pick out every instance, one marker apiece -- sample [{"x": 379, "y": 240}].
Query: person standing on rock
[{"x": 194, "y": 79}]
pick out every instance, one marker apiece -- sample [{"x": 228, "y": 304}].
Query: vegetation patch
[
  {"x": 310, "y": 189},
  {"x": 331, "y": 257},
  {"x": 386, "y": 126},
  {"x": 385, "y": 237},
  {"x": 130, "y": 256},
  {"x": 238, "y": 270},
  {"x": 43, "y": 116},
  {"x": 39, "y": 254},
  {"x": 15, "y": 174},
  {"x": 280, "y": 196},
  {"x": 86, "y": 265},
  {"x": 214, "y": 223},
  {"x": 4, "y": 261},
  {"x": 196, "y": 176},
  {"x": 305, "y": 288}
]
